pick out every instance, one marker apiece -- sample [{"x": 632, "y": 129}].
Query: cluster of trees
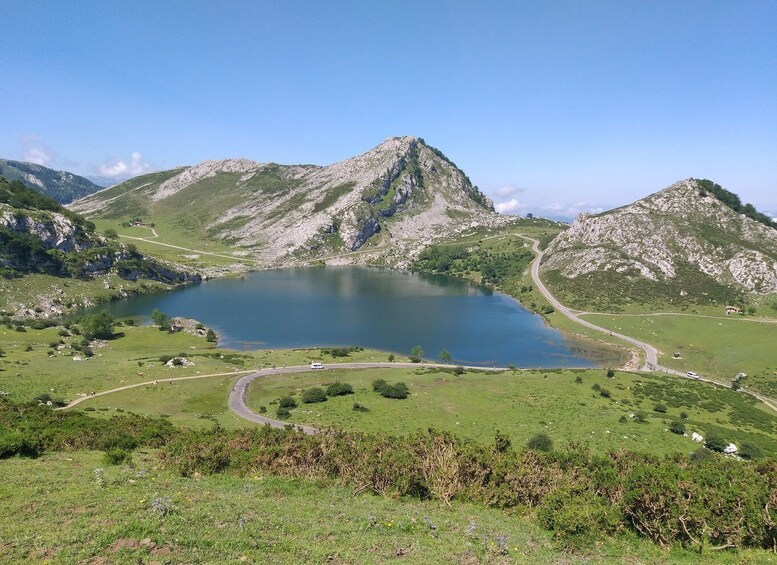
[
  {"x": 494, "y": 266},
  {"x": 734, "y": 202}
]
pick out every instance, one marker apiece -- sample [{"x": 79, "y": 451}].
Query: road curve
[
  {"x": 651, "y": 353},
  {"x": 237, "y": 396}
]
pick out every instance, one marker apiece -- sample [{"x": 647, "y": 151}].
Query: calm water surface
[{"x": 386, "y": 310}]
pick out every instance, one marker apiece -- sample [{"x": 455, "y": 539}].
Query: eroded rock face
[
  {"x": 400, "y": 195},
  {"x": 55, "y": 230},
  {"x": 654, "y": 236}
]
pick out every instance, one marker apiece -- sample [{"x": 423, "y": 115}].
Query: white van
[
  {"x": 316, "y": 365},
  {"x": 693, "y": 375}
]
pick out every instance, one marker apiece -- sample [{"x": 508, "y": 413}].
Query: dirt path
[{"x": 232, "y": 257}]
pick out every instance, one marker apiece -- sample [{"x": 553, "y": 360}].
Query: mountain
[
  {"x": 39, "y": 235},
  {"x": 693, "y": 242},
  {"x": 62, "y": 186},
  {"x": 393, "y": 199}
]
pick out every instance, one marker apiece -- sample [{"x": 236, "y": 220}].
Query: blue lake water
[{"x": 389, "y": 310}]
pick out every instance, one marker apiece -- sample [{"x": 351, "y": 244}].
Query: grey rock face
[{"x": 677, "y": 226}]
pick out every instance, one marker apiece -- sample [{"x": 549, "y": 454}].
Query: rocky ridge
[
  {"x": 62, "y": 186},
  {"x": 679, "y": 228},
  {"x": 387, "y": 203}
]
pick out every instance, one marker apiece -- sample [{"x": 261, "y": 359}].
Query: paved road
[
  {"x": 651, "y": 353},
  {"x": 237, "y": 397}
]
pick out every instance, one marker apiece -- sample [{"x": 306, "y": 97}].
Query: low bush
[
  {"x": 339, "y": 389},
  {"x": 287, "y": 402},
  {"x": 314, "y": 395},
  {"x": 540, "y": 442},
  {"x": 397, "y": 390},
  {"x": 677, "y": 427},
  {"x": 116, "y": 456}
]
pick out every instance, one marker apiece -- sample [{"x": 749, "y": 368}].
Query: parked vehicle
[
  {"x": 693, "y": 375},
  {"x": 316, "y": 365}
]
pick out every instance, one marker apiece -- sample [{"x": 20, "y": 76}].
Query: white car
[
  {"x": 693, "y": 375},
  {"x": 316, "y": 365}
]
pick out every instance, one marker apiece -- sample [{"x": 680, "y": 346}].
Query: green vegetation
[
  {"x": 530, "y": 402},
  {"x": 68, "y": 512},
  {"x": 97, "y": 326},
  {"x": 61, "y": 188},
  {"x": 718, "y": 347},
  {"x": 733, "y": 201}
]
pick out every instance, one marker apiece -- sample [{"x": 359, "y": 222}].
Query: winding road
[
  {"x": 237, "y": 397},
  {"x": 651, "y": 353}
]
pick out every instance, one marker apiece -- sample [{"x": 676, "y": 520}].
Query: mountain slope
[
  {"x": 62, "y": 186},
  {"x": 395, "y": 198},
  {"x": 678, "y": 246},
  {"x": 40, "y": 237}
]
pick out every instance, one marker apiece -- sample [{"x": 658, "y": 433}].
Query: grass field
[
  {"x": 523, "y": 403},
  {"x": 72, "y": 508},
  {"x": 719, "y": 347},
  {"x": 30, "y": 366},
  {"x": 69, "y": 293}
]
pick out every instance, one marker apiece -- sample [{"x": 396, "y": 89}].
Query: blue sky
[{"x": 551, "y": 107}]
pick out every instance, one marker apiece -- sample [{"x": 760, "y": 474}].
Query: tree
[
  {"x": 445, "y": 356},
  {"x": 98, "y": 326},
  {"x": 540, "y": 442},
  {"x": 161, "y": 320},
  {"x": 416, "y": 354},
  {"x": 715, "y": 442},
  {"x": 211, "y": 336},
  {"x": 391, "y": 358},
  {"x": 610, "y": 373}
]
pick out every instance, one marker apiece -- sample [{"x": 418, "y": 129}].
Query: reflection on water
[{"x": 372, "y": 308}]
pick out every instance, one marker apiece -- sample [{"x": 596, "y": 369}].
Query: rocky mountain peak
[{"x": 685, "y": 231}]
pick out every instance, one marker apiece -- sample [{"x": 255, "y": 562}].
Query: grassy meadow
[
  {"x": 523, "y": 403},
  {"x": 715, "y": 347}
]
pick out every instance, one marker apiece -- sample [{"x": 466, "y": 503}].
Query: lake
[{"x": 389, "y": 310}]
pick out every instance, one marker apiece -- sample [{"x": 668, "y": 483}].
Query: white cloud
[
  {"x": 508, "y": 190},
  {"x": 35, "y": 150},
  {"x": 566, "y": 211},
  {"x": 509, "y": 207},
  {"x": 123, "y": 169}
]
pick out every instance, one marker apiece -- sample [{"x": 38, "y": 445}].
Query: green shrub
[
  {"x": 396, "y": 391},
  {"x": 339, "y": 389},
  {"x": 314, "y": 395},
  {"x": 360, "y": 407},
  {"x": 578, "y": 519},
  {"x": 677, "y": 427},
  {"x": 116, "y": 456},
  {"x": 282, "y": 412},
  {"x": 610, "y": 373},
  {"x": 660, "y": 408},
  {"x": 750, "y": 451},
  {"x": 715, "y": 442},
  {"x": 540, "y": 442},
  {"x": 287, "y": 402}
]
